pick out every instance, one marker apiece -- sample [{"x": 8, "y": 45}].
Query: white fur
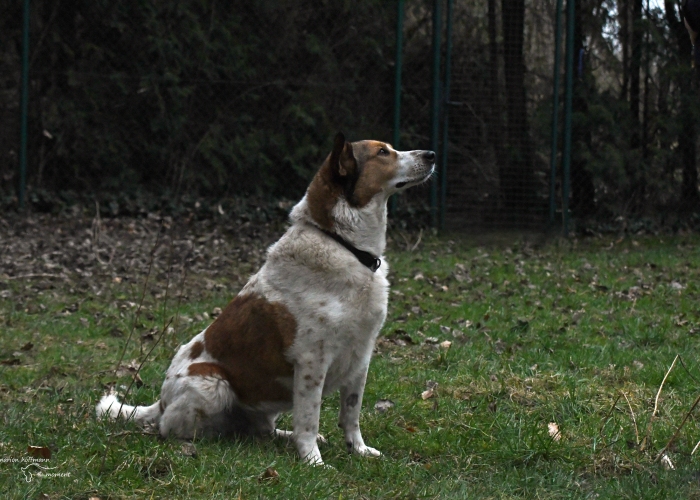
[{"x": 339, "y": 306}]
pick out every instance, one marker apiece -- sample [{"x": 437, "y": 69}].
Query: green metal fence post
[
  {"x": 24, "y": 100},
  {"x": 397, "y": 87},
  {"x": 435, "y": 113},
  {"x": 568, "y": 99},
  {"x": 555, "y": 114},
  {"x": 445, "y": 117}
]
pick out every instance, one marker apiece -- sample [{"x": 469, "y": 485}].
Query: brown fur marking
[
  {"x": 249, "y": 340},
  {"x": 365, "y": 174},
  {"x": 336, "y": 177},
  {"x": 375, "y": 170},
  {"x": 197, "y": 349}
]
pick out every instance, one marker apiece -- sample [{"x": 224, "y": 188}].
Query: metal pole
[
  {"x": 445, "y": 117},
  {"x": 397, "y": 87},
  {"x": 435, "y": 114},
  {"x": 24, "y": 100},
  {"x": 568, "y": 97},
  {"x": 555, "y": 114}
]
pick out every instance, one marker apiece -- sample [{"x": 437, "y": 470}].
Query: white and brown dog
[{"x": 305, "y": 324}]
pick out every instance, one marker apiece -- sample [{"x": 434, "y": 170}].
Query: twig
[
  {"x": 127, "y": 433},
  {"x": 37, "y": 275},
  {"x": 138, "y": 310},
  {"x": 695, "y": 449},
  {"x": 634, "y": 420},
  {"x": 167, "y": 279},
  {"x": 678, "y": 430},
  {"x": 642, "y": 446},
  {"x": 131, "y": 333},
  {"x": 688, "y": 371},
  {"x": 420, "y": 235},
  {"x": 658, "y": 393},
  {"x": 133, "y": 380},
  {"x": 605, "y": 420}
]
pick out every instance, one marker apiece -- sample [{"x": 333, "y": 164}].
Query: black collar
[{"x": 369, "y": 260}]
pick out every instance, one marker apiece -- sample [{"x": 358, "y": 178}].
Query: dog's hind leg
[{"x": 200, "y": 404}]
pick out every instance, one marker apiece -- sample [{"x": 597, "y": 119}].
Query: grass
[{"x": 579, "y": 333}]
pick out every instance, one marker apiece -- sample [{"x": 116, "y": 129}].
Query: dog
[{"x": 305, "y": 325}]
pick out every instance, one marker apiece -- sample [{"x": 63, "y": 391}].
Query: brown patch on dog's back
[
  {"x": 196, "y": 350},
  {"x": 249, "y": 340}
]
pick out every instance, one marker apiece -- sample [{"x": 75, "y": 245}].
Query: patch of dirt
[{"x": 81, "y": 254}]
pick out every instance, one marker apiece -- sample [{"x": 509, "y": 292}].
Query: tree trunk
[
  {"x": 582, "y": 187},
  {"x": 689, "y": 99},
  {"x": 635, "y": 165},
  {"x": 494, "y": 119},
  {"x": 516, "y": 174},
  {"x": 623, "y": 20}
]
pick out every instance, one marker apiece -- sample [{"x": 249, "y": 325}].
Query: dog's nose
[{"x": 429, "y": 155}]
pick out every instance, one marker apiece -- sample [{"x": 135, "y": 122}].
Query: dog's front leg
[
  {"x": 349, "y": 421},
  {"x": 309, "y": 377}
]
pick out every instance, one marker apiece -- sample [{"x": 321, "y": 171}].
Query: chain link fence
[{"x": 215, "y": 99}]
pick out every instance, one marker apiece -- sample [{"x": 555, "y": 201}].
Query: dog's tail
[{"x": 142, "y": 415}]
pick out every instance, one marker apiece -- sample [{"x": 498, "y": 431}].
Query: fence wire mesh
[{"x": 230, "y": 99}]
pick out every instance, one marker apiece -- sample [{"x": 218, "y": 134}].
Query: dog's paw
[
  {"x": 314, "y": 459},
  {"x": 367, "y": 451}
]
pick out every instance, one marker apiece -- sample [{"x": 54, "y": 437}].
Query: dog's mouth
[{"x": 419, "y": 180}]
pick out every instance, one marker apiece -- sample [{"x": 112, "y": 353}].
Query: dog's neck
[{"x": 364, "y": 228}]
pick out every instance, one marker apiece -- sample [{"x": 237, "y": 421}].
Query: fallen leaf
[
  {"x": 27, "y": 347},
  {"x": 188, "y": 450},
  {"x": 270, "y": 474},
  {"x": 383, "y": 405},
  {"x": 10, "y": 362},
  {"x": 432, "y": 340},
  {"x": 39, "y": 451},
  {"x": 445, "y": 344},
  {"x": 666, "y": 463},
  {"x": 430, "y": 391},
  {"x": 553, "y": 429}
]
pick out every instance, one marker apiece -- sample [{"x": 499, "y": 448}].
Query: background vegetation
[{"x": 231, "y": 99}]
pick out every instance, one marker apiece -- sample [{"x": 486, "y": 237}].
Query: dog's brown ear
[{"x": 342, "y": 161}]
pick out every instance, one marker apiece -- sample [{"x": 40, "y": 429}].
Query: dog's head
[{"x": 362, "y": 172}]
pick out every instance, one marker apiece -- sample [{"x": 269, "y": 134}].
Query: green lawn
[{"x": 576, "y": 333}]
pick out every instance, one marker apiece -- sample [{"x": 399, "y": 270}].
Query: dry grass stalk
[
  {"x": 643, "y": 444},
  {"x": 634, "y": 420}
]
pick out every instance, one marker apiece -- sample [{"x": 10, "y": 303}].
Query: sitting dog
[{"x": 303, "y": 326}]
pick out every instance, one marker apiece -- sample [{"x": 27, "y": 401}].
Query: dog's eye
[{"x": 383, "y": 152}]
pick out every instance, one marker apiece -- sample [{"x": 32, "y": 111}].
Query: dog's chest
[{"x": 337, "y": 331}]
